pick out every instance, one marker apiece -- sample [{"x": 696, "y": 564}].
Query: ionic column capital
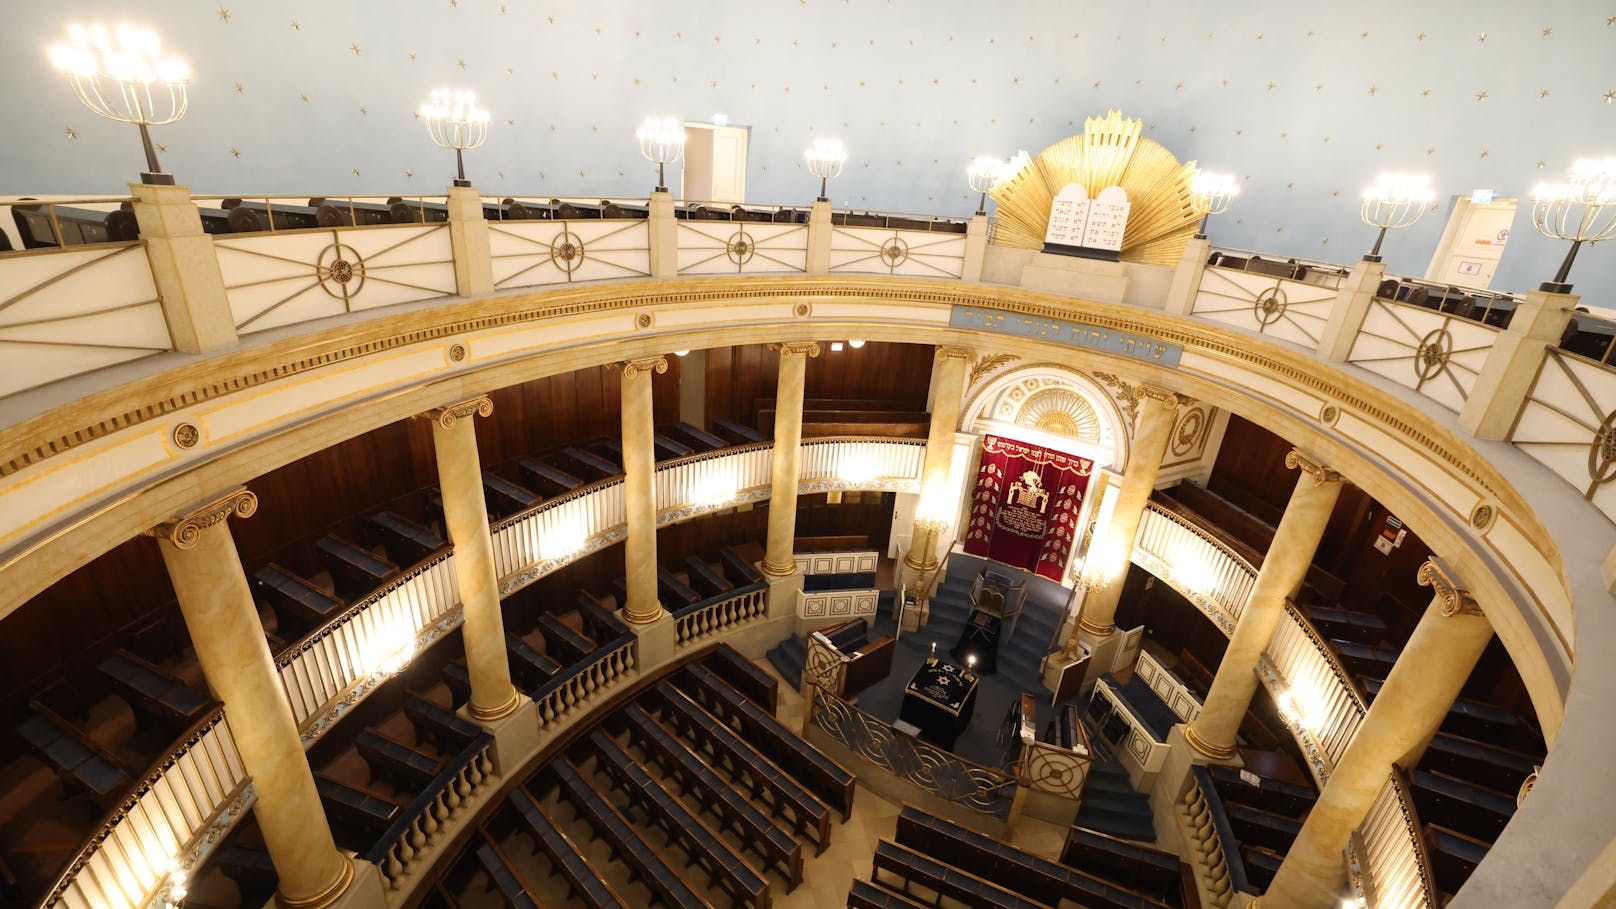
[
  {"x": 446, "y": 417},
  {"x": 1321, "y": 475},
  {"x": 1162, "y": 396},
  {"x": 956, "y": 353},
  {"x": 632, "y": 369},
  {"x": 796, "y": 348},
  {"x": 1455, "y": 599},
  {"x": 184, "y": 530}
]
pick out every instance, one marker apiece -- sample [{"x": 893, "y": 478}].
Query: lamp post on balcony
[
  {"x": 984, "y": 174},
  {"x": 1395, "y": 201},
  {"x": 662, "y": 142},
  {"x": 1582, "y": 210},
  {"x": 1212, "y": 194},
  {"x": 825, "y": 158},
  {"x": 454, "y": 121},
  {"x": 121, "y": 75}
]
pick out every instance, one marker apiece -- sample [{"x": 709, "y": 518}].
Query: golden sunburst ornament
[{"x": 1109, "y": 152}]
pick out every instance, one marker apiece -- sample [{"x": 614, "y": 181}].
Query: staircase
[
  {"x": 1110, "y": 804},
  {"x": 788, "y": 657},
  {"x": 1021, "y": 653}
]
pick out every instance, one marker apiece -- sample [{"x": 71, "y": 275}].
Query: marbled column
[
  {"x": 1158, "y": 411},
  {"x": 218, "y": 607},
  {"x": 1419, "y": 691},
  {"x": 777, "y": 554},
  {"x": 1283, "y": 568},
  {"x": 639, "y": 492},
  {"x": 952, "y": 368},
  {"x": 465, "y": 516}
]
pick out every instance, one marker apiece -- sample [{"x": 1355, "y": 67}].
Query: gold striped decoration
[{"x": 1109, "y": 152}]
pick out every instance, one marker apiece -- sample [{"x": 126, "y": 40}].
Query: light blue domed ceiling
[{"x": 1305, "y": 102}]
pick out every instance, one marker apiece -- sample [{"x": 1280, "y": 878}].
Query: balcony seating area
[
  {"x": 658, "y": 800},
  {"x": 1289, "y": 269},
  {"x": 931, "y": 861},
  {"x": 851, "y": 417},
  {"x": 1489, "y": 309}
]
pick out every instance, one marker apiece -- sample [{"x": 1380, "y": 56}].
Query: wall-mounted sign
[
  {"x": 1469, "y": 267},
  {"x": 1481, "y": 196},
  {"x": 1071, "y": 334},
  {"x": 1091, "y": 228}
]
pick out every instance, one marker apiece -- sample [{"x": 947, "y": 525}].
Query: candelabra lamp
[
  {"x": 825, "y": 158},
  {"x": 454, "y": 121},
  {"x": 983, "y": 174},
  {"x": 662, "y": 142},
  {"x": 122, "y": 75},
  {"x": 1395, "y": 201},
  {"x": 1582, "y": 210},
  {"x": 1212, "y": 194}
]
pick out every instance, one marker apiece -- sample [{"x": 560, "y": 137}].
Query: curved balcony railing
[
  {"x": 1206, "y": 570},
  {"x": 696, "y": 623},
  {"x": 402, "y": 847},
  {"x": 1393, "y": 867}
]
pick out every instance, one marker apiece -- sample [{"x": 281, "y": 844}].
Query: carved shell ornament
[{"x": 1109, "y": 152}]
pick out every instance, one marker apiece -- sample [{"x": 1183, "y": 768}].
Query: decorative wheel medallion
[
  {"x": 741, "y": 247},
  {"x": 1189, "y": 430},
  {"x": 567, "y": 251},
  {"x": 1329, "y": 414},
  {"x": 803, "y": 310},
  {"x": 1602, "y": 452},
  {"x": 643, "y": 320},
  {"x": 1431, "y": 357},
  {"x": 457, "y": 352},
  {"x": 894, "y": 252},
  {"x": 341, "y": 271},
  {"x": 186, "y": 435},
  {"x": 1481, "y": 517},
  {"x": 1269, "y": 306}
]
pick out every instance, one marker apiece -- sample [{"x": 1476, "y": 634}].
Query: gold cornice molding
[
  {"x": 185, "y": 530},
  {"x": 1294, "y": 459},
  {"x": 1455, "y": 599},
  {"x": 644, "y": 365},
  {"x": 446, "y": 417},
  {"x": 956, "y": 353},
  {"x": 796, "y": 348}
]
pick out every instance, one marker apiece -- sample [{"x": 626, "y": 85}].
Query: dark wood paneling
[{"x": 738, "y": 377}]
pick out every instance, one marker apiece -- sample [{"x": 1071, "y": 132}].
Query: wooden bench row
[
  {"x": 154, "y": 691},
  {"x": 584, "y": 882}
]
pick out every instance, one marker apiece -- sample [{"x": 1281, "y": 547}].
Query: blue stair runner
[
  {"x": 1110, "y": 804},
  {"x": 1021, "y": 654},
  {"x": 787, "y": 658}
]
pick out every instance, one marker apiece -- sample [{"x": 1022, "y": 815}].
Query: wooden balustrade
[
  {"x": 1395, "y": 869},
  {"x": 698, "y": 622},
  {"x": 586, "y": 682},
  {"x": 1218, "y": 880},
  {"x": 403, "y": 849}
]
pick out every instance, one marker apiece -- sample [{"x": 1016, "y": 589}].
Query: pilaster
[
  {"x": 819, "y": 235},
  {"x": 1351, "y": 307},
  {"x": 185, "y": 268},
  {"x": 664, "y": 236},
  {"x": 976, "y": 248},
  {"x": 950, "y": 369},
  {"x": 1187, "y": 276},
  {"x": 1512, "y": 363},
  {"x": 469, "y": 243}
]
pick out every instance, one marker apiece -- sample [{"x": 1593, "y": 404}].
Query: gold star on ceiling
[
  {"x": 1431, "y": 150},
  {"x": 356, "y": 171},
  {"x": 364, "y": 111},
  {"x": 1484, "y": 153},
  {"x": 1420, "y": 36},
  {"x": 303, "y": 98},
  {"x": 355, "y": 49},
  {"x": 1364, "y": 36},
  {"x": 1481, "y": 96},
  {"x": 239, "y": 89},
  {"x": 1610, "y": 96},
  {"x": 224, "y": 15},
  {"x": 1543, "y": 93},
  {"x": 295, "y": 26},
  {"x": 460, "y": 63},
  {"x": 412, "y": 56},
  {"x": 1425, "y": 93},
  {"x": 1374, "y": 89},
  {"x": 1481, "y": 38},
  {"x": 1542, "y": 164},
  {"x": 72, "y": 133},
  {"x": 1547, "y": 32},
  {"x": 1272, "y": 85},
  {"x": 162, "y": 148},
  {"x": 408, "y": 174},
  {"x": 235, "y": 152}
]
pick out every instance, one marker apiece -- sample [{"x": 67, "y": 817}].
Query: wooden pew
[
  {"x": 1261, "y": 865},
  {"x": 1263, "y": 828},
  {"x": 75, "y": 757},
  {"x": 696, "y": 437},
  {"x": 306, "y": 604},
  {"x": 505, "y": 498},
  {"x": 249, "y": 868},
  {"x": 569, "y": 646},
  {"x": 155, "y": 691},
  {"x": 799, "y": 808},
  {"x": 823, "y": 776},
  {"x": 446, "y": 730},
  {"x": 737, "y": 569},
  {"x": 706, "y": 581},
  {"x": 356, "y": 571},
  {"x": 745, "y": 676},
  {"x": 457, "y": 678},
  {"x": 547, "y": 479},
  {"x": 1453, "y": 856},
  {"x": 1457, "y": 805},
  {"x": 1276, "y": 796},
  {"x": 70, "y": 226},
  {"x": 1026, "y": 874},
  {"x": 674, "y": 592},
  {"x": 409, "y": 769},
  {"x": 865, "y": 895},
  {"x": 626, "y": 844},
  {"x": 602, "y": 625},
  {"x": 1129, "y": 865},
  {"x": 593, "y": 465},
  {"x": 725, "y": 870},
  {"x": 502, "y": 876},
  {"x": 900, "y": 867},
  {"x": 530, "y": 667},
  {"x": 583, "y": 881},
  {"x": 737, "y": 433},
  {"x": 666, "y": 447},
  {"x": 1344, "y": 624},
  {"x": 367, "y": 813},
  {"x": 1483, "y": 764},
  {"x": 756, "y": 830},
  {"x": 406, "y": 541},
  {"x": 1365, "y": 661}
]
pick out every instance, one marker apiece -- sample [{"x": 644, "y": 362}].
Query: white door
[
  {"x": 1472, "y": 243},
  {"x": 715, "y": 163}
]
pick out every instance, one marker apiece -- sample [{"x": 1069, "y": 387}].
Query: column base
[
  {"x": 516, "y": 734},
  {"x": 494, "y": 714},
  {"x": 359, "y": 887},
  {"x": 785, "y": 592},
  {"x": 1206, "y": 749},
  {"x": 658, "y": 641}
]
